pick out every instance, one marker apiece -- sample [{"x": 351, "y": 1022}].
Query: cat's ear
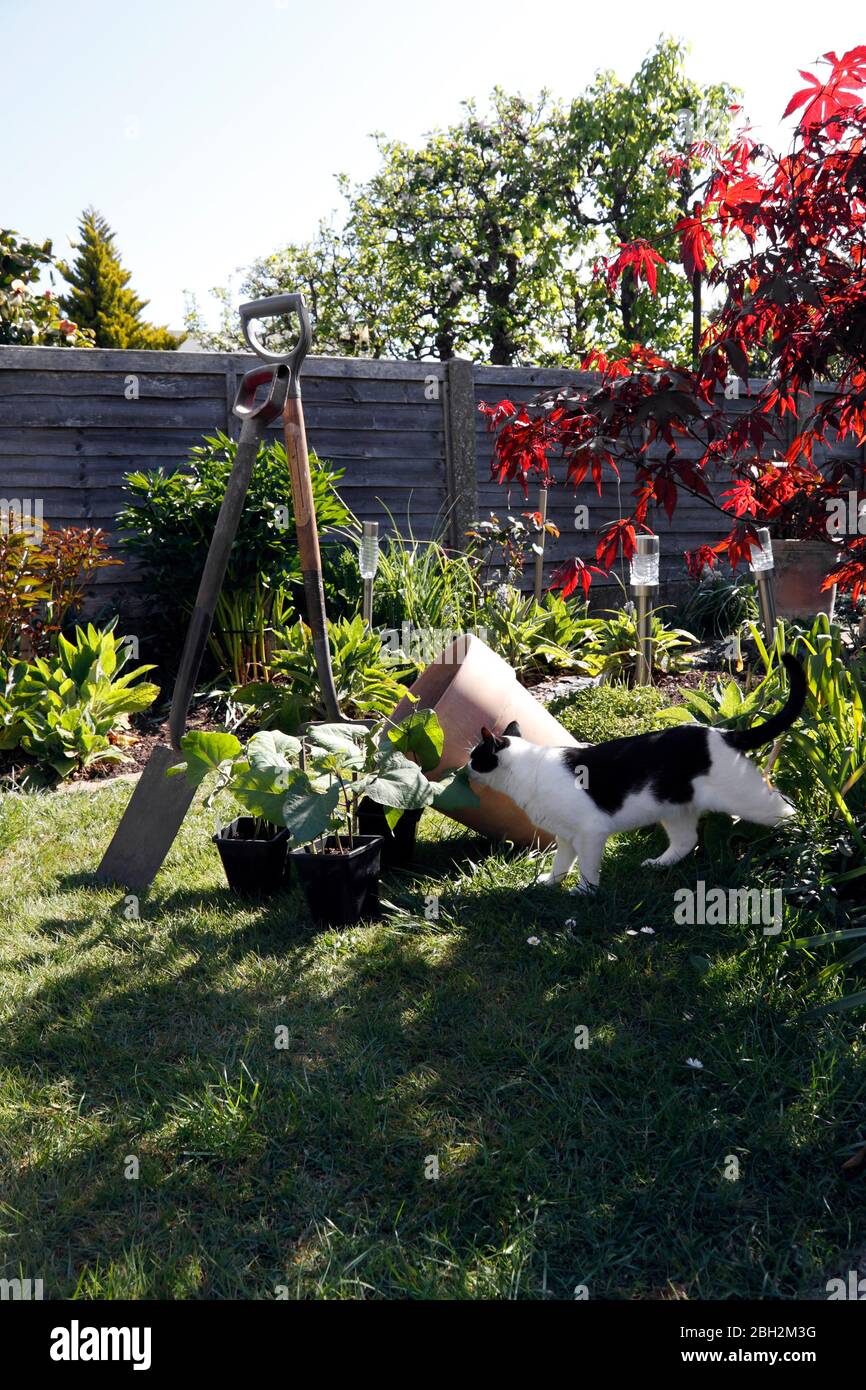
[
  {"x": 513, "y": 730},
  {"x": 486, "y": 735}
]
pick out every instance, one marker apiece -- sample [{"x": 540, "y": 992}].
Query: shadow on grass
[{"x": 408, "y": 1041}]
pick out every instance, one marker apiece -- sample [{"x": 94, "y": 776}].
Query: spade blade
[{"x": 149, "y": 824}]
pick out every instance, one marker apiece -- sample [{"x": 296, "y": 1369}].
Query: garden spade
[
  {"x": 159, "y": 803},
  {"x": 302, "y": 486}
]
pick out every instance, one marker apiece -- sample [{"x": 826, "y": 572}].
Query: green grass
[{"x": 303, "y": 1168}]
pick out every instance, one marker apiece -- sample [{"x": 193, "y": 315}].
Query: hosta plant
[
  {"x": 62, "y": 711},
  {"x": 369, "y": 678},
  {"x": 613, "y": 652}
]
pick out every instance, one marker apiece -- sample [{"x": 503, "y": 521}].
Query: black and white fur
[{"x": 582, "y": 795}]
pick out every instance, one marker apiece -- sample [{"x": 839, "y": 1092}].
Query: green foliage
[
  {"x": 820, "y": 764},
  {"x": 822, "y": 759},
  {"x": 716, "y": 606},
  {"x": 167, "y": 525},
  {"x": 31, "y": 316},
  {"x": 614, "y": 650},
  {"x": 602, "y": 712},
  {"x": 99, "y": 297},
  {"x": 313, "y": 785},
  {"x": 537, "y": 638},
  {"x": 60, "y": 711},
  {"x": 425, "y": 585},
  {"x": 368, "y": 678},
  {"x": 480, "y": 241}
]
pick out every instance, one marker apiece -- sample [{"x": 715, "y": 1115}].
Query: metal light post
[
  {"x": 761, "y": 565},
  {"x": 644, "y": 579},
  {"x": 368, "y": 563}
]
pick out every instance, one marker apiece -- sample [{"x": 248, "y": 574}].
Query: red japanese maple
[{"x": 797, "y": 293}]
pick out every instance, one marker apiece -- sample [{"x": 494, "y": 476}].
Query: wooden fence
[{"x": 408, "y": 435}]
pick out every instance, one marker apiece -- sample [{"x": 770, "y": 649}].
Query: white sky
[{"x": 208, "y": 132}]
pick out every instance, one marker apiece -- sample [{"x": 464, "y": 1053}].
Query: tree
[
  {"x": 100, "y": 298},
  {"x": 29, "y": 314},
  {"x": 481, "y": 241},
  {"x": 796, "y": 295}
]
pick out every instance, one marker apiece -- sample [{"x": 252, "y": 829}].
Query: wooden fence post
[{"x": 461, "y": 470}]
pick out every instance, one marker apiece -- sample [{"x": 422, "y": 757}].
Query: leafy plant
[
  {"x": 611, "y": 711},
  {"x": 614, "y": 650},
  {"x": 30, "y": 314},
  {"x": 717, "y": 606},
  {"x": 422, "y": 583},
  {"x": 313, "y": 785},
  {"x": 44, "y": 573},
  {"x": 507, "y": 543},
  {"x": 368, "y": 678},
  {"x": 61, "y": 711},
  {"x": 167, "y": 524},
  {"x": 537, "y": 637}
]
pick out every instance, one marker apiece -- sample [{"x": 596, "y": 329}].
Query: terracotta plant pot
[
  {"x": 799, "y": 570},
  {"x": 468, "y": 685}
]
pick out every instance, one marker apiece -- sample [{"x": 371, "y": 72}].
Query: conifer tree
[{"x": 100, "y": 297}]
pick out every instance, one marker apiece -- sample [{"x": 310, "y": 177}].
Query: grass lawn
[{"x": 307, "y": 1167}]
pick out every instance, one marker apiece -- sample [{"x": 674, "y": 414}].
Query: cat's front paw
[
  {"x": 654, "y": 863},
  {"x": 548, "y": 881},
  {"x": 584, "y": 888}
]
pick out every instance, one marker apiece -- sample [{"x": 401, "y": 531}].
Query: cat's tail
[{"x": 745, "y": 739}]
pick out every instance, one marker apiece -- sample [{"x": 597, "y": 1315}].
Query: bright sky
[{"x": 208, "y": 131}]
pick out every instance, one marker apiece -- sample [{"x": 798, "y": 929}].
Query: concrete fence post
[{"x": 460, "y": 456}]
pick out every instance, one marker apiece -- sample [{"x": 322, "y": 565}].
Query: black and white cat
[{"x": 582, "y": 795}]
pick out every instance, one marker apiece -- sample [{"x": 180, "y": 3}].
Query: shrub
[
  {"x": 31, "y": 315},
  {"x": 599, "y": 713},
  {"x": 42, "y": 580},
  {"x": 537, "y": 638},
  {"x": 61, "y": 711},
  {"x": 168, "y": 522}
]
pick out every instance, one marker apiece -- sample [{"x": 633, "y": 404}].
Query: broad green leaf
[
  {"x": 400, "y": 783},
  {"x": 421, "y": 736},
  {"x": 307, "y": 814},
  {"x": 204, "y": 753},
  {"x": 454, "y": 792}
]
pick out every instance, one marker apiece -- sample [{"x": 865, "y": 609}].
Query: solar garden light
[
  {"x": 761, "y": 565},
  {"x": 539, "y": 544},
  {"x": 645, "y": 578},
  {"x": 368, "y": 563}
]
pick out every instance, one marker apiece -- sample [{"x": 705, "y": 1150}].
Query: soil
[{"x": 136, "y": 742}]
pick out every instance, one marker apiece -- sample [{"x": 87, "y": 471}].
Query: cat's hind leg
[
  {"x": 561, "y": 866},
  {"x": 682, "y": 832}
]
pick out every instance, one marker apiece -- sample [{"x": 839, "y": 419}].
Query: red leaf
[{"x": 572, "y": 574}]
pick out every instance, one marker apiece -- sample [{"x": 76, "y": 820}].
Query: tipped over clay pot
[{"x": 468, "y": 686}]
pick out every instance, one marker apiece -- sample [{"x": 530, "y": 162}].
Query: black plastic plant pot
[
  {"x": 341, "y": 886},
  {"x": 398, "y": 845},
  {"x": 255, "y": 864}
]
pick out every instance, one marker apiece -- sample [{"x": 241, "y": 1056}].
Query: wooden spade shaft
[{"x": 308, "y": 547}]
